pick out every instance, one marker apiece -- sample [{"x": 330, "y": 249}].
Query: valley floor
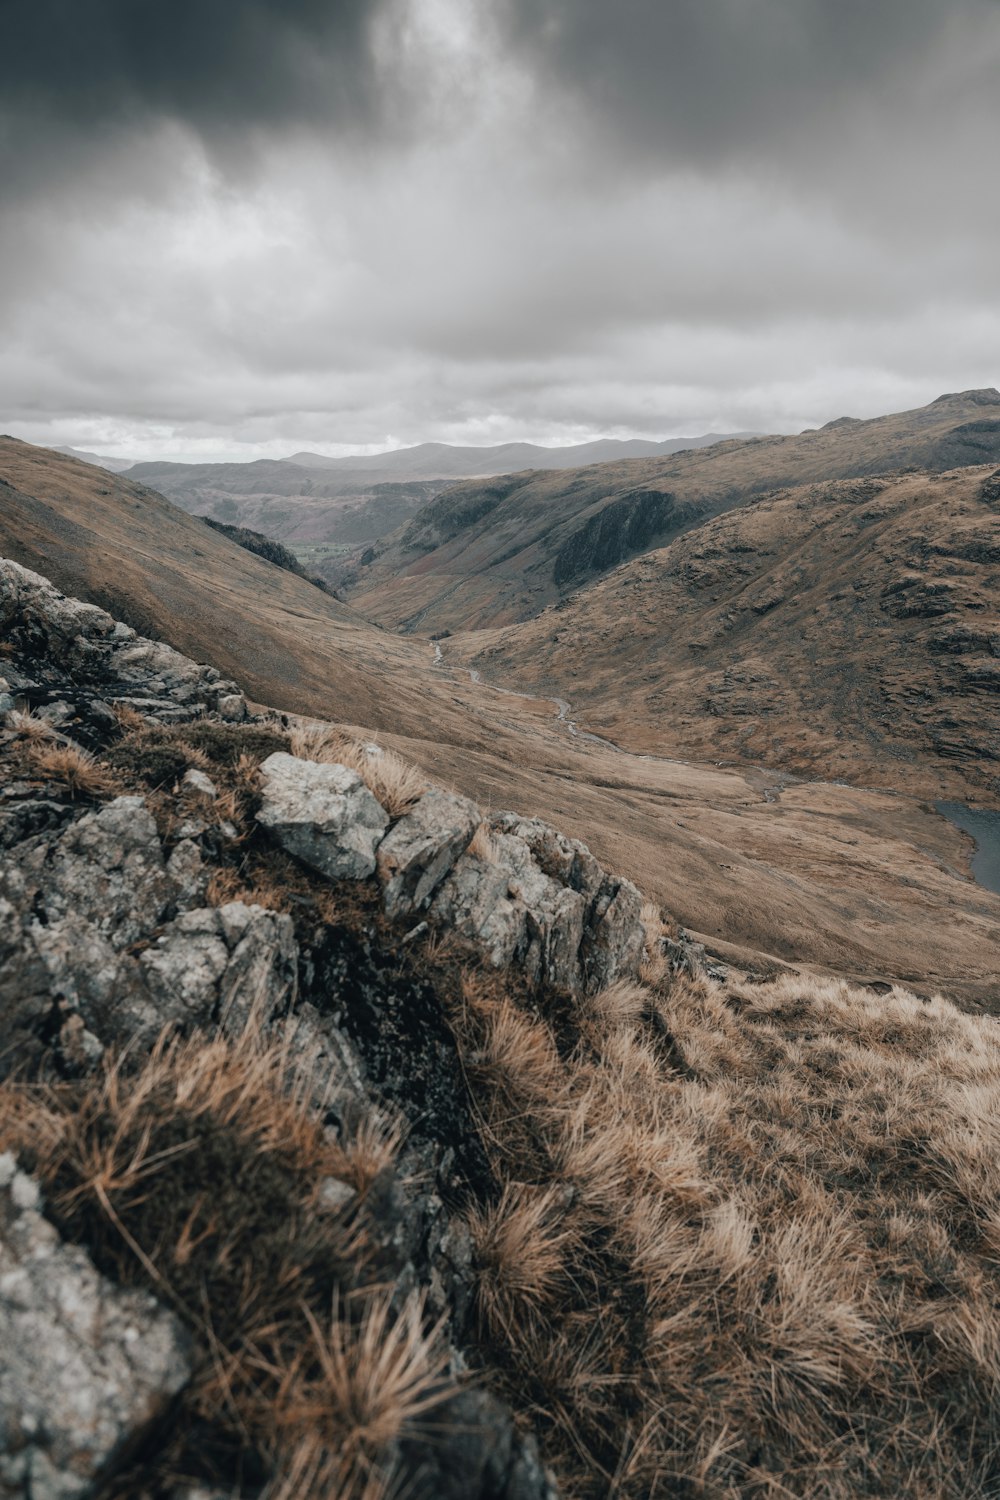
[{"x": 767, "y": 869}]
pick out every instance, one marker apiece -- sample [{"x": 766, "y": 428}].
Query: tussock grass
[
  {"x": 195, "y": 1176},
  {"x": 29, "y": 727},
  {"x": 747, "y": 1239},
  {"x": 392, "y": 780},
  {"x": 75, "y": 769}
]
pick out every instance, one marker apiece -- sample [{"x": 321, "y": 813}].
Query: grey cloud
[
  {"x": 647, "y": 216},
  {"x": 711, "y": 80},
  {"x": 77, "y": 74}
]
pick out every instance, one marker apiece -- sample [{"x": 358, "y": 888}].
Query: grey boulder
[
  {"x": 86, "y": 1366},
  {"x": 416, "y": 855},
  {"x": 324, "y": 815},
  {"x": 222, "y": 964}
]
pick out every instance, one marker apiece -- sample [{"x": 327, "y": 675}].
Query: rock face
[
  {"x": 98, "y": 928},
  {"x": 540, "y": 901},
  {"x": 86, "y": 1366},
  {"x": 323, "y": 814},
  {"x": 83, "y": 660},
  {"x": 628, "y": 525},
  {"x": 415, "y": 857}
]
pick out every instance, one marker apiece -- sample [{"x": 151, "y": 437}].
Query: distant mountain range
[
  {"x": 446, "y": 461},
  {"x": 320, "y": 503}
]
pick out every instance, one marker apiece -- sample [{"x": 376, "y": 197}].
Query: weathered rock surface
[
  {"x": 85, "y": 1367},
  {"x": 97, "y": 939},
  {"x": 323, "y": 814},
  {"x": 417, "y": 854},
  {"x": 220, "y": 964},
  {"x": 544, "y": 903},
  {"x": 82, "y": 660}
]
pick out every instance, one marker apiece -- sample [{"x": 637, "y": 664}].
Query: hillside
[
  {"x": 847, "y": 631},
  {"x": 839, "y": 878},
  {"x": 498, "y": 552},
  {"x": 357, "y": 1141},
  {"x": 121, "y": 545},
  {"x": 290, "y": 502}
]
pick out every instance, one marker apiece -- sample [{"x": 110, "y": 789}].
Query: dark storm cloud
[
  {"x": 714, "y": 79},
  {"x": 74, "y": 73}
]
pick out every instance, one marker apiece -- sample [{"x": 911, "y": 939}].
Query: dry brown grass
[
  {"x": 482, "y": 845},
  {"x": 75, "y": 769},
  {"x": 748, "y": 1239},
  {"x": 195, "y": 1175},
  {"x": 392, "y": 780},
  {"x": 129, "y": 718},
  {"x": 30, "y": 728}
]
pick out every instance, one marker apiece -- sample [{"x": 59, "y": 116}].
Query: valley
[
  {"x": 768, "y": 867},
  {"x": 497, "y": 552}
]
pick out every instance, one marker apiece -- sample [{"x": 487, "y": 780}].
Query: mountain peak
[{"x": 986, "y": 396}]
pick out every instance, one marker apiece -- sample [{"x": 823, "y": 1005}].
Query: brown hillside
[
  {"x": 497, "y": 551},
  {"x": 845, "y": 631},
  {"x": 838, "y": 878},
  {"x": 118, "y": 544}
]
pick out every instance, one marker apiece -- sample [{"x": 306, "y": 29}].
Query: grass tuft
[
  {"x": 71, "y": 767},
  {"x": 392, "y": 780}
]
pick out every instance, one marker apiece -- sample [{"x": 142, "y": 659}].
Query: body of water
[{"x": 984, "y": 826}]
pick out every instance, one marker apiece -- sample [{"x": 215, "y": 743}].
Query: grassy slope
[
  {"x": 740, "y": 1241},
  {"x": 124, "y": 547},
  {"x": 843, "y": 631},
  {"x": 465, "y": 562},
  {"x": 852, "y": 881}
]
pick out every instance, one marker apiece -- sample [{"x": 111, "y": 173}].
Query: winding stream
[
  {"x": 982, "y": 825},
  {"x": 562, "y": 708}
]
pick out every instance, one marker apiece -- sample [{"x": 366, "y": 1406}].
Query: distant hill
[
  {"x": 312, "y": 501},
  {"x": 843, "y": 631},
  {"x": 99, "y": 460},
  {"x": 290, "y": 502},
  {"x": 447, "y": 461},
  {"x": 495, "y": 551}
]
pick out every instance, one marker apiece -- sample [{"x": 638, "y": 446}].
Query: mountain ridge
[{"x": 488, "y": 554}]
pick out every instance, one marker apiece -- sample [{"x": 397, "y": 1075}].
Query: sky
[{"x": 232, "y": 229}]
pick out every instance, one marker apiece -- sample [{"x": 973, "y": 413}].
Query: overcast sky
[{"x": 236, "y": 228}]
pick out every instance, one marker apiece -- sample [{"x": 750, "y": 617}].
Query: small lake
[{"x": 984, "y": 826}]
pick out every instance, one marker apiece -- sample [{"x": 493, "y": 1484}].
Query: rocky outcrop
[
  {"x": 102, "y": 937},
  {"x": 86, "y": 1367},
  {"x": 535, "y": 900},
  {"x": 107, "y": 937},
  {"x": 989, "y": 490},
  {"x": 74, "y": 661},
  {"x": 323, "y": 814},
  {"x": 574, "y": 936},
  {"x": 421, "y": 849}
]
